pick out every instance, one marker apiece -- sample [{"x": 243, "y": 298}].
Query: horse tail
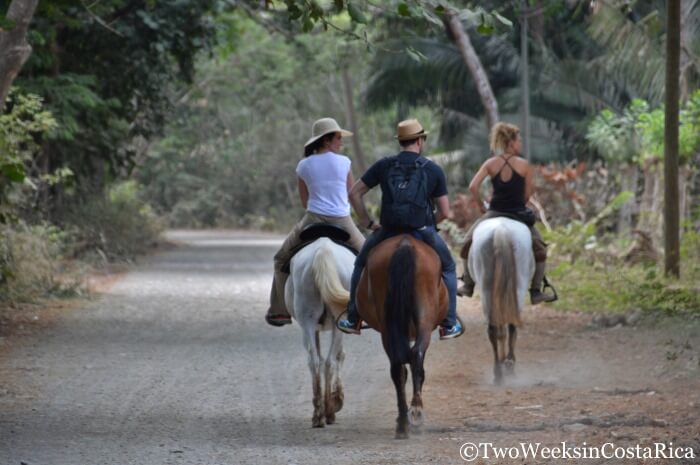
[
  {"x": 400, "y": 304},
  {"x": 504, "y": 293},
  {"x": 327, "y": 280}
]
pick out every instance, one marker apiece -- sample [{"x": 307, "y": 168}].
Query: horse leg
[
  {"x": 399, "y": 375},
  {"x": 494, "y": 338},
  {"x": 333, "y": 393},
  {"x": 510, "y": 358},
  {"x": 311, "y": 342},
  {"x": 417, "y": 359}
]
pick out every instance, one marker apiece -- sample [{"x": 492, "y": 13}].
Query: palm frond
[{"x": 635, "y": 51}]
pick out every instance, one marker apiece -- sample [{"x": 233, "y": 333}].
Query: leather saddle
[{"x": 316, "y": 231}]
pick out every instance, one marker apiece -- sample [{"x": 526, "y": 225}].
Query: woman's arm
[
  {"x": 350, "y": 181},
  {"x": 475, "y": 184},
  {"x": 303, "y": 192},
  {"x": 529, "y": 182}
]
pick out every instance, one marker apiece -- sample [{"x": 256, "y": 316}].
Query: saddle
[
  {"x": 524, "y": 215},
  {"x": 316, "y": 231}
]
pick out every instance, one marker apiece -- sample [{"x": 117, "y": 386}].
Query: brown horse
[{"x": 401, "y": 294}]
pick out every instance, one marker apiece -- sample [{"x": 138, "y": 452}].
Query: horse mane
[
  {"x": 504, "y": 292},
  {"x": 400, "y": 308}
]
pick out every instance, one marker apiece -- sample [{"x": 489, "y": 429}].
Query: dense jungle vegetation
[{"x": 130, "y": 116}]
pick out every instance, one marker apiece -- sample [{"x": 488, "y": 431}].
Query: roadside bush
[
  {"x": 595, "y": 274},
  {"x": 118, "y": 225},
  {"x": 30, "y": 260}
]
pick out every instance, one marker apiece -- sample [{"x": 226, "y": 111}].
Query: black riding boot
[{"x": 536, "y": 294}]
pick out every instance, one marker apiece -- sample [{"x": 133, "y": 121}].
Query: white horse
[
  {"x": 502, "y": 264},
  {"x": 316, "y": 294}
]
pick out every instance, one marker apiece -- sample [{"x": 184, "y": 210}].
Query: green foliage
[
  {"x": 118, "y": 225},
  {"x": 109, "y": 72},
  {"x": 638, "y": 132},
  {"x": 633, "y": 35},
  {"x": 228, "y": 157},
  {"x": 578, "y": 238},
  {"x": 22, "y": 127},
  {"x": 589, "y": 270},
  {"x": 616, "y": 137},
  {"x": 616, "y": 287}
]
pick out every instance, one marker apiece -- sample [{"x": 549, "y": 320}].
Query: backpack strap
[{"x": 422, "y": 162}]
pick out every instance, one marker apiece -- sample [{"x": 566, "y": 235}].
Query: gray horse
[
  {"x": 502, "y": 264},
  {"x": 316, "y": 294}
]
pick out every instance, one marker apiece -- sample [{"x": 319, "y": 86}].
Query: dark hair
[
  {"x": 406, "y": 143},
  {"x": 318, "y": 144}
]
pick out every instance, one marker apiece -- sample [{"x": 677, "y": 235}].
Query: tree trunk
[
  {"x": 671, "y": 214},
  {"x": 683, "y": 182},
  {"x": 14, "y": 49},
  {"x": 352, "y": 121},
  {"x": 525, "y": 76},
  {"x": 471, "y": 59}
]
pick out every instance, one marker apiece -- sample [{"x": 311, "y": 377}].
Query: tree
[
  {"x": 671, "y": 213},
  {"x": 471, "y": 59},
  {"x": 109, "y": 72},
  {"x": 14, "y": 49}
]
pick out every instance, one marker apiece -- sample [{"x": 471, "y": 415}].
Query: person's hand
[
  {"x": 372, "y": 226},
  {"x": 482, "y": 207}
]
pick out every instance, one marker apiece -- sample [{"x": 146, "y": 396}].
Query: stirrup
[
  {"x": 357, "y": 329},
  {"x": 465, "y": 291},
  {"x": 552, "y": 297}
]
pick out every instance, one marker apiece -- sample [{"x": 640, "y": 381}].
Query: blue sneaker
[
  {"x": 451, "y": 332},
  {"x": 348, "y": 326}
]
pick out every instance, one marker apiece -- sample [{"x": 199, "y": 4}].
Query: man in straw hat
[
  {"x": 323, "y": 177},
  {"x": 430, "y": 189}
]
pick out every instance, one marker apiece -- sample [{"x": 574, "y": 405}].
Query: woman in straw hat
[{"x": 324, "y": 178}]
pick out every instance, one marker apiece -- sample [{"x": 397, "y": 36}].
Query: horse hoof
[
  {"x": 509, "y": 366},
  {"x": 415, "y": 418},
  {"x": 498, "y": 380},
  {"x": 401, "y": 435},
  {"x": 318, "y": 422},
  {"x": 330, "y": 419}
]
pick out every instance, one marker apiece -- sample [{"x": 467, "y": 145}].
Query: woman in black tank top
[{"x": 510, "y": 196}]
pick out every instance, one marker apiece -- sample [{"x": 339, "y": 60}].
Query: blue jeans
[{"x": 430, "y": 236}]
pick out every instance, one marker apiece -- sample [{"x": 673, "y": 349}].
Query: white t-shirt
[{"x": 325, "y": 175}]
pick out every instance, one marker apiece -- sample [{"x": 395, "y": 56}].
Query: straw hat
[
  {"x": 325, "y": 126},
  {"x": 409, "y": 129}
]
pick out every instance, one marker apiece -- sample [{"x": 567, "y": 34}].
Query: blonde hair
[{"x": 503, "y": 134}]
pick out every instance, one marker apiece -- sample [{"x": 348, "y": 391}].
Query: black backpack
[{"x": 407, "y": 203}]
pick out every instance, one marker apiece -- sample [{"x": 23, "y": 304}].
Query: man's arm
[
  {"x": 443, "y": 209},
  {"x": 357, "y": 191}
]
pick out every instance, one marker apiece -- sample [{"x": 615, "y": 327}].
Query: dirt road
[{"x": 174, "y": 365}]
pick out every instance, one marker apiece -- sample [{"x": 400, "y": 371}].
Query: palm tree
[{"x": 634, "y": 39}]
